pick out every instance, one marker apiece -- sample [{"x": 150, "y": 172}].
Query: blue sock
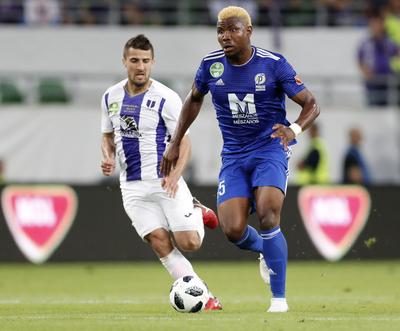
[
  {"x": 250, "y": 240},
  {"x": 275, "y": 254}
]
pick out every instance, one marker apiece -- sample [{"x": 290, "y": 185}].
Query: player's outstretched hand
[
  {"x": 169, "y": 159},
  {"x": 284, "y": 133},
  {"x": 170, "y": 185},
  {"x": 108, "y": 166}
]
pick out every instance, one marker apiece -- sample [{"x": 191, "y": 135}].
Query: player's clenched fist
[{"x": 108, "y": 166}]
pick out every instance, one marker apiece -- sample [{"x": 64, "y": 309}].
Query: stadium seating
[
  {"x": 9, "y": 93},
  {"x": 52, "y": 90}
]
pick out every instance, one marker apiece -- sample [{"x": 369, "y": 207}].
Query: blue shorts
[{"x": 241, "y": 174}]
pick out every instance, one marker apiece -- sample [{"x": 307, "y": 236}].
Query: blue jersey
[{"x": 249, "y": 98}]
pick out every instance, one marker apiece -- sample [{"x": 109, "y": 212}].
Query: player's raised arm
[
  {"x": 190, "y": 109},
  {"x": 309, "y": 112}
]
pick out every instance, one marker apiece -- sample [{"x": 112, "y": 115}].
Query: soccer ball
[{"x": 189, "y": 294}]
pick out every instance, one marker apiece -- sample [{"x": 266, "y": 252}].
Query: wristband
[{"x": 296, "y": 129}]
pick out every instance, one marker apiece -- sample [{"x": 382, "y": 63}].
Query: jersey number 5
[{"x": 221, "y": 187}]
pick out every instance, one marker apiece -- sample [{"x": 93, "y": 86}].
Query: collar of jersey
[
  {"x": 251, "y": 58},
  {"x": 137, "y": 95}
]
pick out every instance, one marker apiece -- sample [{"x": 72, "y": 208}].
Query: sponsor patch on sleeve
[{"x": 298, "y": 80}]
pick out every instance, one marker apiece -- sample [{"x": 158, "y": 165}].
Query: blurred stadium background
[{"x": 58, "y": 57}]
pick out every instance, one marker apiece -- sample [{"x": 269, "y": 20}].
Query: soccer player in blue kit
[{"x": 248, "y": 86}]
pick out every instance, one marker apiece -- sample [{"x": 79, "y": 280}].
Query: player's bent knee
[
  {"x": 233, "y": 233},
  {"x": 190, "y": 246},
  {"x": 160, "y": 242},
  {"x": 188, "y": 242},
  {"x": 269, "y": 220}
]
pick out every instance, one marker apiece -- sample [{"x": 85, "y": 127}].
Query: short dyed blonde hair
[{"x": 233, "y": 11}]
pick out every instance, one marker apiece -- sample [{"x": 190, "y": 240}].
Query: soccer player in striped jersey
[
  {"x": 248, "y": 85},
  {"x": 139, "y": 115}
]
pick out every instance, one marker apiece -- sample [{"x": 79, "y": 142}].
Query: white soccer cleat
[
  {"x": 278, "y": 305},
  {"x": 264, "y": 271}
]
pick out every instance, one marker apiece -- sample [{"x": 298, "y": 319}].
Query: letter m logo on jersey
[{"x": 245, "y": 106}]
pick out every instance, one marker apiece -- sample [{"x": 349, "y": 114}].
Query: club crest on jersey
[
  {"x": 113, "y": 108},
  {"x": 129, "y": 128},
  {"x": 217, "y": 69},
  {"x": 150, "y": 103},
  {"x": 260, "y": 80},
  {"x": 153, "y": 102}
]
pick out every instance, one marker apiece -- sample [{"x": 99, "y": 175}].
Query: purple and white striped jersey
[{"x": 142, "y": 125}]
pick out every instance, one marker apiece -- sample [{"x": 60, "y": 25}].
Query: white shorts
[{"x": 149, "y": 208}]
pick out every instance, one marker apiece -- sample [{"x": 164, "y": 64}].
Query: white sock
[
  {"x": 199, "y": 221},
  {"x": 177, "y": 265}
]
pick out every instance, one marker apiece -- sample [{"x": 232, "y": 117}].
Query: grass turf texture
[{"x": 134, "y": 296}]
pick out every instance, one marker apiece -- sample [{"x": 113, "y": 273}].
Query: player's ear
[
  {"x": 249, "y": 30},
  {"x": 124, "y": 62}
]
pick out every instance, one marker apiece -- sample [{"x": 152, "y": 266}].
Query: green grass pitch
[{"x": 134, "y": 296}]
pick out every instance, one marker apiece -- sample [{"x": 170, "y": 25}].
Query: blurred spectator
[
  {"x": 41, "y": 12},
  {"x": 150, "y": 12},
  {"x": 172, "y": 12},
  {"x": 376, "y": 7},
  {"x": 86, "y": 12},
  {"x": 355, "y": 169},
  {"x": 392, "y": 20},
  {"x": 299, "y": 13},
  {"x": 215, "y": 6},
  {"x": 69, "y": 11},
  {"x": 197, "y": 13},
  {"x": 270, "y": 14},
  {"x": 339, "y": 12},
  {"x": 96, "y": 12},
  {"x": 375, "y": 56},
  {"x": 313, "y": 169},
  {"x": 11, "y": 11},
  {"x": 266, "y": 9},
  {"x": 167, "y": 13},
  {"x": 131, "y": 13}
]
